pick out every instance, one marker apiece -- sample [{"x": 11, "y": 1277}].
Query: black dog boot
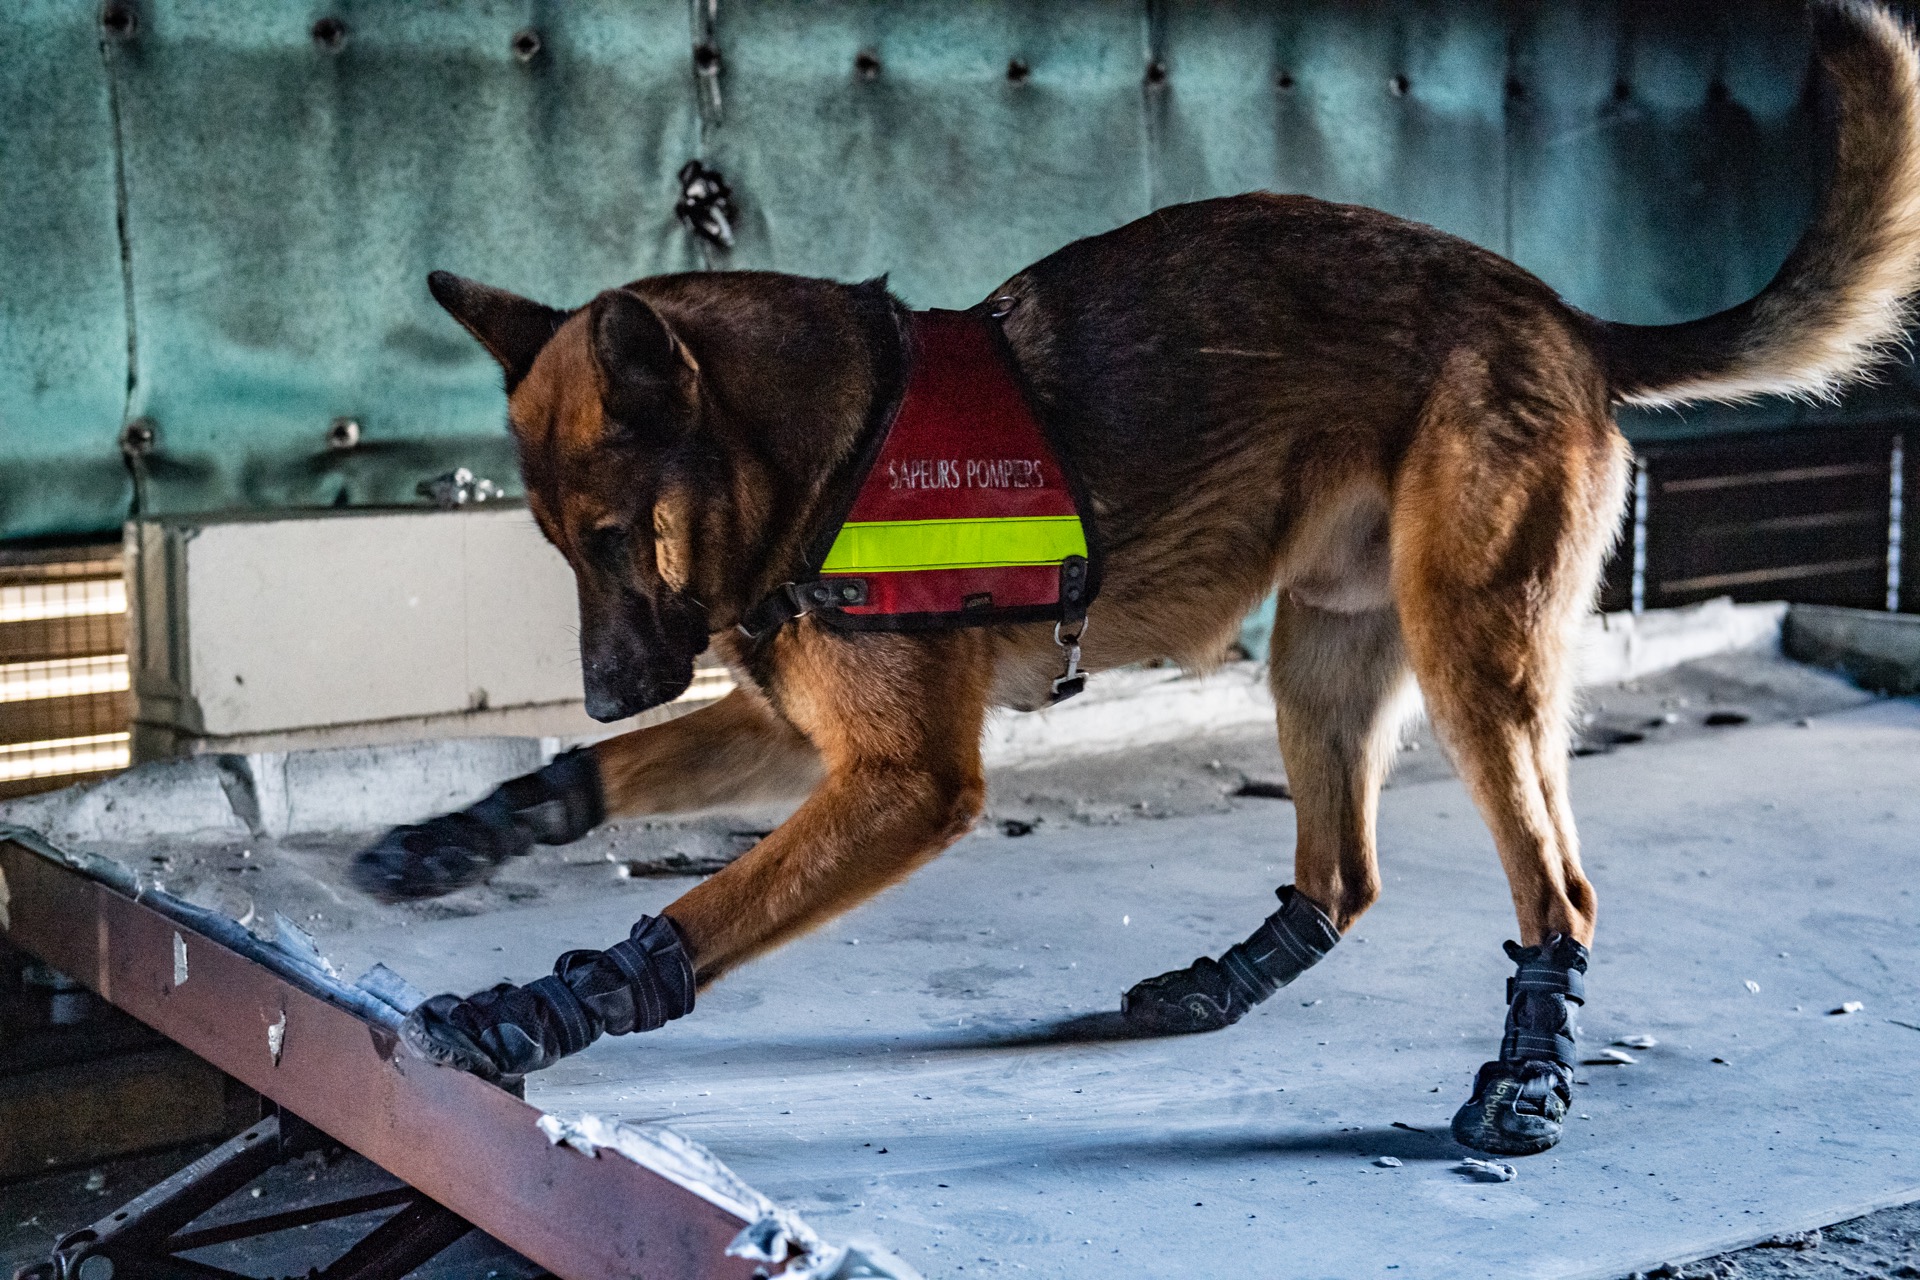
[
  {"x": 1210, "y": 994},
  {"x": 1520, "y": 1101},
  {"x": 557, "y": 805},
  {"x": 508, "y": 1031}
]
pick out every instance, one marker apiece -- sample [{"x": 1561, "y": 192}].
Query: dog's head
[{"x": 604, "y": 403}]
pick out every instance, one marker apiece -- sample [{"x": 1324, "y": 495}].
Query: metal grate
[{"x": 63, "y": 667}]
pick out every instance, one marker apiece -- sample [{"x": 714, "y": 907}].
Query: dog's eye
[{"x": 606, "y": 547}]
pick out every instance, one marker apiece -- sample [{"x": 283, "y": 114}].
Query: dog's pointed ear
[
  {"x": 513, "y": 329},
  {"x": 644, "y": 368}
]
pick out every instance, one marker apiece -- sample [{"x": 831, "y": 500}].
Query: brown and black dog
[{"x": 1408, "y": 437}]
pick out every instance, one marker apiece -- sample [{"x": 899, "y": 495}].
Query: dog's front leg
[
  {"x": 736, "y": 750},
  {"x": 897, "y": 722},
  {"x": 868, "y": 826}
]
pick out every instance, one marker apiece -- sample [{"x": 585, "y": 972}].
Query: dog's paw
[
  {"x": 1517, "y": 1108},
  {"x": 1197, "y": 998},
  {"x": 429, "y": 860},
  {"x": 431, "y": 1033}
]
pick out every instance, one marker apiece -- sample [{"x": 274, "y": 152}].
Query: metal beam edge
[{"x": 469, "y": 1145}]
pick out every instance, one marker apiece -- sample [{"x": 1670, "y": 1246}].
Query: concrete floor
[{"x": 932, "y": 1069}]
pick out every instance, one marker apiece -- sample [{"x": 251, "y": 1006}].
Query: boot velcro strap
[
  {"x": 655, "y": 964},
  {"x": 1540, "y": 979},
  {"x": 569, "y": 1018},
  {"x": 1557, "y": 1048},
  {"x": 474, "y": 832},
  {"x": 1287, "y": 944}
]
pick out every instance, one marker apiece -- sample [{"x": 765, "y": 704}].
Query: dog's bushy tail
[{"x": 1844, "y": 295}]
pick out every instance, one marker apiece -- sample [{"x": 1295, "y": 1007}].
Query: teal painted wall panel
[
  {"x": 63, "y": 338},
  {"x": 1304, "y": 98},
  {"x": 285, "y": 204},
  {"x": 1664, "y": 161},
  {"x": 938, "y": 169},
  {"x": 284, "y": 201}
]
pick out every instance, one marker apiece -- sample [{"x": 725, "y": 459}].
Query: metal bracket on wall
[{"x": 706, "y": 204}]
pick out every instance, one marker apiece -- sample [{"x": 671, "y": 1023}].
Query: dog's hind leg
[
  {"x": 1339, "y": 681},
  {"x": 1501, "y": 522},
  {"x": 738, "y": 749}
]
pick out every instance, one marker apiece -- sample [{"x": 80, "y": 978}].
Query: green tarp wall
[{"x": 214, "y": 221}]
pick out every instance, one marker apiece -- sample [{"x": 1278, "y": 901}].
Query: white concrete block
[{"x": 325, "y": 629}]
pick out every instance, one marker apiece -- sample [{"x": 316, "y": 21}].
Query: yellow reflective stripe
[{"x": 897, "y": 546}]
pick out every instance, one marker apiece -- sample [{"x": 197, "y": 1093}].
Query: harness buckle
[
  {"x": 782, "y": 605},
  {"x": 1073, "y": 680}
]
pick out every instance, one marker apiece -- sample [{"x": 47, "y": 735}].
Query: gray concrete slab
[{"x": 924, "y": 1070}]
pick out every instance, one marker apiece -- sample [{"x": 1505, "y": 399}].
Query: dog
[{"x": 1408, "y": 438}]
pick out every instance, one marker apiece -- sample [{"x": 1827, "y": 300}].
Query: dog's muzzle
[{"x": 643, "y": 659}]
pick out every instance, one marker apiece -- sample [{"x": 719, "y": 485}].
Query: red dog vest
[{"x": 963, "y": 515}]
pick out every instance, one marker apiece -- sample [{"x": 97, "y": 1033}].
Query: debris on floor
[{"x": 1486, "y": 1170}]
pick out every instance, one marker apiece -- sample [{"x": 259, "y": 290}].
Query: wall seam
[{"x": 110, "y": 65}]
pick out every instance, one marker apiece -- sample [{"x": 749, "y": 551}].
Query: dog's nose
[{"x": 606, "y": 707}]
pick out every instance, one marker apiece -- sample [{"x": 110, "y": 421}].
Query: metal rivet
[
  {"x": 1398, "y": 86},
  {"x": 866, "y": 64},
  {"x": 849, "y": 592},
  {"x": 526, "y": 44},
  {"x": 139, "y": 438},
  {"x": 95, "y": 1267},
  {"x": 119, "y": 20},
  {"x": 329, "y": 34},
  {"x": 343, "y": 434},
  {"x": 1156, "y": 73},
  {"x": 706, "y": 59},
  {"x": 1018, "y": 71}
]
